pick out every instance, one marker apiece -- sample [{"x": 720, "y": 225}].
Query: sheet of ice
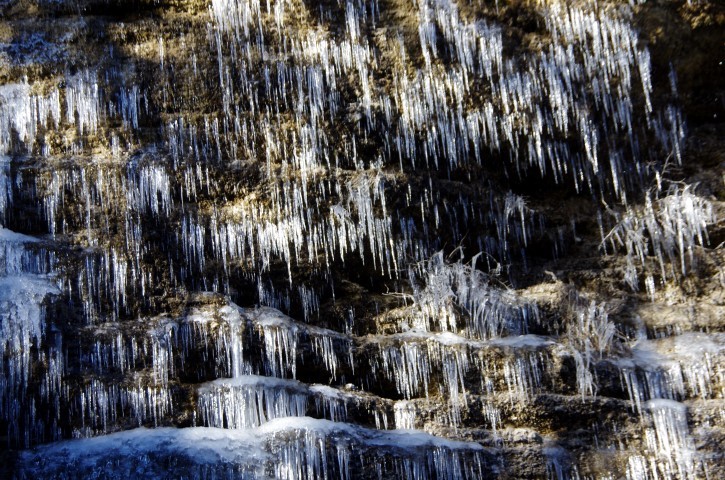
[
  {"x": 151, "y": 453},
  {"x": 14, "y": 237},
  {"x": 522, "y": 341},
  {"x": 289, "y": 447}
]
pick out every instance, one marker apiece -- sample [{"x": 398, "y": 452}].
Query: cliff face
[{"x": 447, "y": 239}]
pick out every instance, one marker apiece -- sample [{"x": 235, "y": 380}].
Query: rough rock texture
[{"x": 495, "y": 222}]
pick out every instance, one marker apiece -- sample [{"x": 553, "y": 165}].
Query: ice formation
[{"x": 253, "y": 155}]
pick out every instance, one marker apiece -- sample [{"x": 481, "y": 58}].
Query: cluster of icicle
[
  {"x": 664, "y": 232},
  {"x": 661, "y": 378},
  {"x": 25, "y": 285},
  {"x": 257, "y": 400},
  {"x": 565, "y": 112},
  {"x": 255, "y": 405},
  {"x": 28, "y": 116},
  {"x": 292, "y": 225},
  {"x": 321, "y": 200}
]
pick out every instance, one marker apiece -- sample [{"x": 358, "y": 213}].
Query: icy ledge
[{"x": 287, "y": 448}]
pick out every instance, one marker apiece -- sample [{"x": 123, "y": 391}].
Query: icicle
[
  {"x": 405, "y": 414},
  {"x": 668, "y": 439},
  {"x": 83, "y": 101},
  {"x": 23, "y": 112},
  {"x": 409, "y": 366},
  {"x": 330, "y": 402},
  {"x": 280, "y": 342},
  {"x": 250, "y": 401}
]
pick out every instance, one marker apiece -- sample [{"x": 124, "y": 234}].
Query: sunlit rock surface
[{"x": 362, "y": 239}]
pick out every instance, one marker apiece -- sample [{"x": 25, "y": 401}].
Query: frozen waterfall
[{"x": 426, "y": 239}]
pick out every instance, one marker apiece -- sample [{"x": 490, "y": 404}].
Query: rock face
[{"x": 380, "y": 239}]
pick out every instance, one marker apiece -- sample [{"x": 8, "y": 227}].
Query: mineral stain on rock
[{"x": 361, "y": 239}]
